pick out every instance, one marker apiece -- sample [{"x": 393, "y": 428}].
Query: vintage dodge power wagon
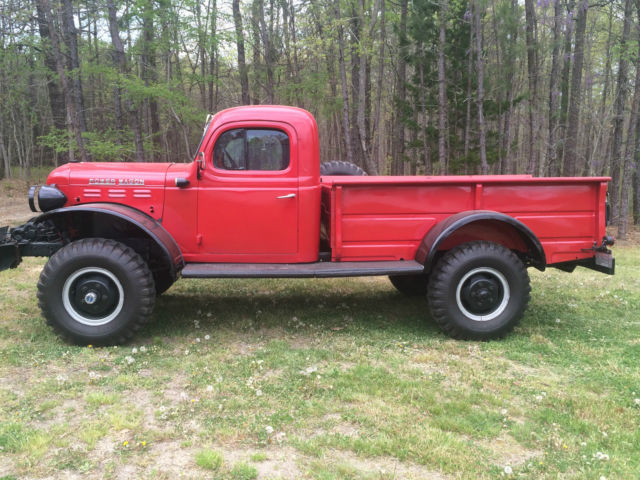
[{"x": 255, "y": 202}]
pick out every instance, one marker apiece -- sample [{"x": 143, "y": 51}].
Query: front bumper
[
  {"x": 28, "y": 240},
  {"x": 9, "y": 251}
]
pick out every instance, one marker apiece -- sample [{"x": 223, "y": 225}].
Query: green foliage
[
  {"x": 243, "y": 471},
  {"x": 209, "y": 459}
]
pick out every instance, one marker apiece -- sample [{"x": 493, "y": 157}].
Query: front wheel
[
  {"x": 478, "y": 291},
  {"x": 96, "y": 291}
]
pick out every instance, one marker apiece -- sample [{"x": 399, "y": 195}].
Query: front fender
[{"x": 95, "y": 219}]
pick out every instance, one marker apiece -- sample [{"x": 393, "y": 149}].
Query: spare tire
[{"x": 341, "y": 168}]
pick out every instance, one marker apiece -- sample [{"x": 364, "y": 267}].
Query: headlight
[{"x": 49, "y": 198}]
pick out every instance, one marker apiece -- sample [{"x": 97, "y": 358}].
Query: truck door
[{"x": 248, "y": 196}]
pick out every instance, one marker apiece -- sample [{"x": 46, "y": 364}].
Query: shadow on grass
[{"x": 246, "y": 305}]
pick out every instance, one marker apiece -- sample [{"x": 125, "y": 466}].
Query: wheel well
[
  {"x": 76, "y": 225},
  {"x": 491, "y": 227}
]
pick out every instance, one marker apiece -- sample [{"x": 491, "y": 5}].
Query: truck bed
[{"x": 373, "y": 218}]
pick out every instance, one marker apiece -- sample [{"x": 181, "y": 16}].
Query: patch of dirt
[
  {"x": 384, "y": 466},
  {"x": 507, "y": 451},
  {"x": 177, "y": 389},
  {"x": 337, "y": 427},
  {"x": 281, "y": 462},
  {"x": 14, "y": 206}
]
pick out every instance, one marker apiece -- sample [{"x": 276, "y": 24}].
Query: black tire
[
  {"x": 410, "y": 285},
  {"x": 96, "y": 291},
  {"x": 478, "y": 291},
  {"x": 341, "y": 168},
  {"x": 163, "y": 284}
]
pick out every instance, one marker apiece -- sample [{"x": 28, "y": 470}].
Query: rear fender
[
  {"x": 124, "y": 224},
  {"x": 481, "y": 225}
]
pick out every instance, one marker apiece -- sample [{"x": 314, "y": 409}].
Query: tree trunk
[
  {"x": 363, "y": 133},
  {"x": 599, "y": 163},
  {"x": 70, "y": 38},
  {"x": 618, "y": 115},
  {"x": 56, "y": 97},
  {"x": 564, "y": 86},
  {"x": 443, "y": 109},
  {"x": 484, "y": 167},
  {"x": 571, "y": 142},
  {"x": 265, "y": 36},
  {"x": 75, "y": 130},
  {"x": 631, "y": 150},
  {"x": 375, "y": 134},
  {"x": 552, "y": 159},
  {"x": 149, "y": 71},
  {"x": 345, "y": 90},
  {"x": 532, "y": 68},
  {"x": 242, "y": 64},
  {"x": 398, "y": 132},
  {"x": 120, "y": 60}
]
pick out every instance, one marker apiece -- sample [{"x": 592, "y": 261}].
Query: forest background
[{"x": 397, "y": 86}]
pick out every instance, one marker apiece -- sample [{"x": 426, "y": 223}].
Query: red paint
[{"x": 235, "y": 215}]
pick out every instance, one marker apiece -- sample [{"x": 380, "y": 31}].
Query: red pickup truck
[{"x": 254, "y": 203}]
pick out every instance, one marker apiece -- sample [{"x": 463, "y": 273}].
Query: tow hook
[{"x": 607, "y": 241}]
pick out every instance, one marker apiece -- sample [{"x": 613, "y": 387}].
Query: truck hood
[
  {"x": 117, "y": 174},
  {"x": 138, "y": 185}
]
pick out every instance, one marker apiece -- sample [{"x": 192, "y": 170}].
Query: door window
[{"x": 252, "y": 149}]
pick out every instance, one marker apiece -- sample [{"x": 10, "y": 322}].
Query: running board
[{"x": 300, "y": 270}]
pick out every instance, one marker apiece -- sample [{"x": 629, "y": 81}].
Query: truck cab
[{"x": 253, "y": 192}]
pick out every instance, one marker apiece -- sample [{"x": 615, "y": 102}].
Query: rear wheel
[
  {"x": 410, "y": 285},
  {"x": 478, "y": 291},
  {"x": 96, "y": 291}
]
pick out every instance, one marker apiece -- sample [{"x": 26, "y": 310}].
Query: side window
[{"x": 252, "y": 149}]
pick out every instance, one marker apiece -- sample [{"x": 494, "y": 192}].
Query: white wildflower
[
  {"x": 61, "y": 379},
  {"x": 601, "y": 456},
  {"x": 309, "y": 370},
  {"x": 186, "y": 352},
  {"x": 207, "y": 337},
  {"x": 503, "y": 411},
  {"x": 134, "y": 350},
  {"x": 143, "y": 349},
  {"x": 539, "y": 398},
  {"x": 637, "y": 401},
  {"x": 258, "y": 392},
  {"x": 129, "y": 359},
  {"x": 279, "y": 437},
  {"x": 209, "y": 388},
  {"x": 583, "y": 444},
  {"x": 198, "y": 340},
  {"x": 508, "y": 470},
  {"x": 93, "y": 376},
  {"x": 268, "y": 429}
]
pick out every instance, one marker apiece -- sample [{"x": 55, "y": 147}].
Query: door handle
[{"x": 289, "y": 195}]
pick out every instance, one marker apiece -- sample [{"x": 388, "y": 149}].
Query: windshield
[{"x": 204, "y": 132}]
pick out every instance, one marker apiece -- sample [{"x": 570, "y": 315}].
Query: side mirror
[{"x": 201, "y": 164}]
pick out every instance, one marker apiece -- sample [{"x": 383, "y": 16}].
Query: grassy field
[{"x": 327, "y": 379}]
